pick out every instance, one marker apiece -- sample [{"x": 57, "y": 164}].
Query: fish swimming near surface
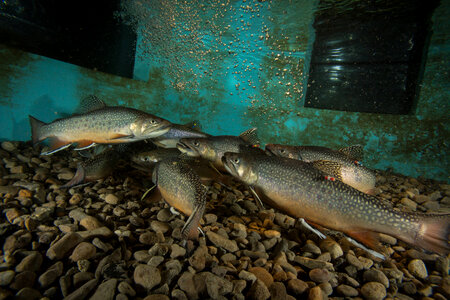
[
  {"x": 182, "y": 189},
  {"x": 300, "y": 190},
  {"x": 98, "y": 124},
  {"x": 214, "y": 147},
  {"x": 171, "y": 138},
  {"x": 342, "y": 164}
]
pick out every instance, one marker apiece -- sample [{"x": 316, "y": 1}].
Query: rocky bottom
[{"x": 102, "y": 241}]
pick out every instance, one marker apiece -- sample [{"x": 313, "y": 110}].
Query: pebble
[
  {"x": 186, "y": 284},
  {"x": 347, "y": 291},
  {"x": 319, "y": 275},
  {"x": 157, "y": 297},
  {"x": 83, "y": 291},
  {"x": 373, "y": 291},
  {"x": 28, "y": 294},
  {"x": 277, "y": 291},
  {"x": 31, "y": 262},
  {"x": 376, "y": 275},
  {"x": 105, "y": 291},
  {"x": 177, "y": 251},
  {"x": 52, "y": 273},
  {"x": 6, "y": 277},
  {"x": 59, "y": 249},
  {"x": 272, "y": 234},
  {"x": 258, "y": 291},
  {"x": 112, "y": 199},
  {"x": 158, "y": 226},
  {"x": 262, "y": 274},
  {"x": 82, "y": 251},
  {"x": 125, "y": 288},
  {"x": 22, "y": 280},
  {"x": 247, "y": 276},
  {"x": 316, "y": 293},
  {"x": 216, "y": 286},
  {"x": 146, "y": 276},
  {"x": 313, "y": 263},
  {"x": 222, "y": 242},
  {"x": 417, "y": 268}
]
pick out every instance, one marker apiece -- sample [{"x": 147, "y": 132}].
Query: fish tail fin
[
  {"x": 433, "y": 233},
  {"x": 36, "y": 131},
  {"x": 78, "y": 178},
  {"x": 189, "y": 230}
]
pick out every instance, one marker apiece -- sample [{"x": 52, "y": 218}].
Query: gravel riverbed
[{"x": 101, "y": 241}]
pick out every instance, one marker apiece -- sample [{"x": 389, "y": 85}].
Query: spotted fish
[
  {"x": 171, "y": 138},
  {"x": 182, "y": 189},
  {"x": 97, "y": 167},
  {"x": 300, "y": 190},
  {"x": 213, "y": 148},
  {"x": 343, "y": 164},
  {"x": 98, "y": 124}
]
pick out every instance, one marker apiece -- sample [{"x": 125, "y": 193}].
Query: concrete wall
[{"x": 235, "y": 68}]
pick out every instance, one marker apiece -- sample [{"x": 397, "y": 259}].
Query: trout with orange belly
[
  {"x": 99, "y": 124},
  {"x": 300, "y": 190},
  {"x": 182, "y": 189}
]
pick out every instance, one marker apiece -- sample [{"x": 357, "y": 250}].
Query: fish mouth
[
  {"x": 228, "y": 164},
  {"x": 156, "y": 131}
]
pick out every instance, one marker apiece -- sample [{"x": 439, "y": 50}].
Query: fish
[
  {"x": 300, "y": 190},
  {"x": 147, "y": 160},
  {"x": 343, "y": 164},
  {"x": 182, "y": 189},
  {"x": 94, "y": 168},
  {"x": 171, "y": 138},
  {"x": 97, "y": 124},
  {"x": 212, "y": 148}
]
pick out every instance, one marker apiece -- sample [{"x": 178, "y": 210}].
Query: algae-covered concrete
[{"x": 234, "y": 65}]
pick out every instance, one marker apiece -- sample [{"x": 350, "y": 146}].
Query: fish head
[
  {"x": 195, "y": 147},
  {"x": 144, "y": 159},
  {"x": 239, "y": 165},
  {"x": 281, "y": 151},
  {"x": 150, "y": 127}
]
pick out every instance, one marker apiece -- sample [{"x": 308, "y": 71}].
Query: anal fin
[{"x": 370, "y": 239}]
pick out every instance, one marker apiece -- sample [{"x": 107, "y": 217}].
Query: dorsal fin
[
  {"x": 250, "y": 136},
  {"x": 355, "y": 151},
  {"x": 329, "y": 167},
  {"x": 91, "y": 103}
]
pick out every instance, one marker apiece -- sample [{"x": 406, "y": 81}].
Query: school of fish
[{"x": 327, "y": 188}]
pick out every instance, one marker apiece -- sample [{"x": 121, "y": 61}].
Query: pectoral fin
[
  {"x": 56, "y": 145},
  {"x": 78, "y": 178},
  {"x": 190, "y": 228}
]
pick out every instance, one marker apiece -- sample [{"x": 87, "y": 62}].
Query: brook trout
[
  {"x": 171, "y": 138},
  {"x": 342, "y": 164},
  {"x": 213, "y": 148},
  {"x": 182, "y": 189},
  {"x": 99, "y": 124},
  {"x": 301, "y": 191}
]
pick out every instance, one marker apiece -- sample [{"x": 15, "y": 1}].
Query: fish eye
[
  {"x": 152, "y": 121},
  {"x": 196, "y": 143},
  {"x": 236, "y": 160},
  {"x": 282, "y": 151}
]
